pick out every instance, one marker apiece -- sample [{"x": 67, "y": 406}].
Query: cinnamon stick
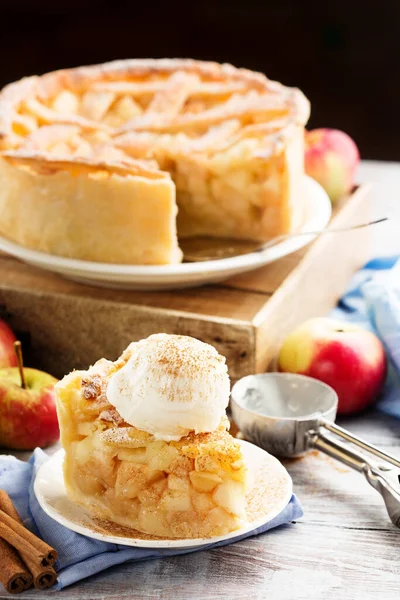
[
  {"x": 6, "y": 505},
  {"x": 23, "y": 540},
  {"x": 13, "y": 574},
  {"x": 43, "y": 577}
]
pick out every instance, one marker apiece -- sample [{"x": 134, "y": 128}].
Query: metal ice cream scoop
[{"x": 288, "y": 414}]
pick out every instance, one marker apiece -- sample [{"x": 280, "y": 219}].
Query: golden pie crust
[{"x": 112, "y": 162}]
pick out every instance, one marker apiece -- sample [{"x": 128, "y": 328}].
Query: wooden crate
[{"x": 67, "y": 325}]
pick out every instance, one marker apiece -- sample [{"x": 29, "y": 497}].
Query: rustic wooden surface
[
  {"x": 245, "y": 318},
  {"x": 344, "y": 546}
]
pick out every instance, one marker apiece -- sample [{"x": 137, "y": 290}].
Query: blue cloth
[
  {"x": 80, "y": 556},
  {"x": 373, "y": 301}
]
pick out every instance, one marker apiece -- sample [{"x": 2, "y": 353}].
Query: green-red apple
[
  {"x": 8, "y": 357},
  {"x": 346, "y": 357},
  {"x": 331, "y": 158},
  {"x": 28, "y": 417}
]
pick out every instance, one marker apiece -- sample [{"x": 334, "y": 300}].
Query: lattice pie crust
[{"x": 96, "y": 161}]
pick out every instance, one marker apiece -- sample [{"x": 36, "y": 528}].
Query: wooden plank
[
  {"x": 214, "y": 301},
  {"x": 67, "y": 334},
  {"x": 333, "y": 494},
  {"x": 317, "y": 281},
  {"x": 299, "y": 562}
]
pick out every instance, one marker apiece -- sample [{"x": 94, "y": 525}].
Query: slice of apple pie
[{"x": 146, "y": 441}]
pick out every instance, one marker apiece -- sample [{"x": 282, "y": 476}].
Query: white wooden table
[{"x": 343, "y": 547}]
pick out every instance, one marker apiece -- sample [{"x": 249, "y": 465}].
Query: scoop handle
[
  {"x": 386, "y": 480},
  {"x": 350, "y": 437}
]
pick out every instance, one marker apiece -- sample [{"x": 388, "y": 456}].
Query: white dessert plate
[
  {"x": 158, "y": 277},
  {"x": 267, "y": 497}
]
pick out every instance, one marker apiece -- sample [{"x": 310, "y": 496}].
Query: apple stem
[{"x": 18, "y": 352}]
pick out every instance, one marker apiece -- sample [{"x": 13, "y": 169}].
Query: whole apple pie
[
  {"x": 96, "y": 161},
  {"x": 146, "y": 441}
]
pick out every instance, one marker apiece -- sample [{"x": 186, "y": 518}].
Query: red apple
[
  {"x": 28, "y": 417},
  {"x": 331, "y": 158},
  {"x": 8, "y": 357},
  {"x": 346, "y": 357}
]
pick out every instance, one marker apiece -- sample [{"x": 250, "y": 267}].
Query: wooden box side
[
  {"x": 64, "y": 332},
  {"x": 317, "y": 281}
]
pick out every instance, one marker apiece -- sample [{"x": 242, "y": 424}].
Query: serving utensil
[
  {"x": 288, "y": 414},
  {"x": 199, "y": 249}
]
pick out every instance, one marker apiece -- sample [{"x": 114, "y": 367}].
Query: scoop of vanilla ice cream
[{"x": 171, "y": 385}]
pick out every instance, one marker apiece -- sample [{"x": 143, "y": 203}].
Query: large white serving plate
[
  {"x": 138, "y": 277},
  {"x": 270, "y": 492}
]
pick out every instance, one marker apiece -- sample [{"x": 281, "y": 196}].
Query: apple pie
[
  {"x": 146, "y": 441},
  {"x": 96, "y": 161}
]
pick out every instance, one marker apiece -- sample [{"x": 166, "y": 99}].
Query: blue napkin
[
  {"x": 80, "y": 556},
  {"x": 373, "y": 301}
]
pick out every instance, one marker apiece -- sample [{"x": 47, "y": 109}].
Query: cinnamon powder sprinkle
[
  {"x": 180, "y": 356},
  {"x": 177, "y": 359}
]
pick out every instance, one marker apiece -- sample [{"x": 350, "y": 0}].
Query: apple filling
[{"x": 194, "y": 487}]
